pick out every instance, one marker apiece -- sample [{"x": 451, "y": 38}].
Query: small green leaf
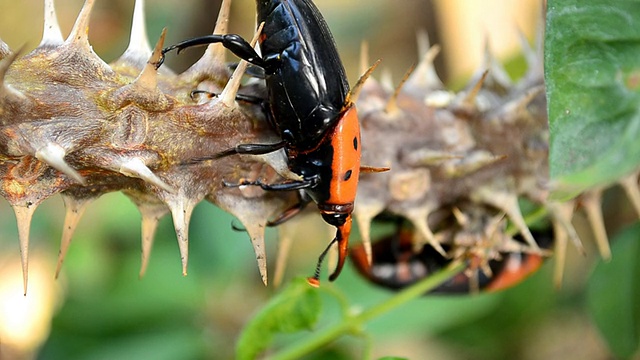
[
  {"x": 592, "y": 73},
  {"x": 614, "y": 295},
  {"x": 296, "y": 308}
]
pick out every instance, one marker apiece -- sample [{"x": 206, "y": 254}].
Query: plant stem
[{"x": 353, "y": 323}]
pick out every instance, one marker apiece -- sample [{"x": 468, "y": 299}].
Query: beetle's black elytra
[{"x": 307, "y": 96}]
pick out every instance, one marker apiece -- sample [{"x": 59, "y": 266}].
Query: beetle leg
[
  {"x": 292, "y": 211},
  {"x": 283, "y": 186},
  {"x": 235, "y": 43},
  {"x": 241, "y": 97}
]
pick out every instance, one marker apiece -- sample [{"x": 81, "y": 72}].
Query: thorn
[
  {"x": 562, "y": 213},
  {"x": 24, "y": 214},
  {"x": 470, "y": 163},
  {"x": 80, "y": 32},
  {"x": 6, "y": 90},
  {"x": 256, "y": 233},
  {"x": 51, "y": 35},
  {"x": 469, "y": 99},
  {"x": 630, "y": 186},
  {"x": 591, "y": 201},
  {"x": 354, "y": 93},
  {"x": 461, "y": 218},
  {"x": 4, "y": 49},
  {"x": 214, "y": 56},
  {"x": 138, "y": 50},
  {"x": 53, "y": 154},
  {"x": 391, "y": 108},
  {"x": 497, "y": 71},
  {"x": 386, "y": 79},
  {"x": 228, "y": 95},
  {"x": 151, "y": 214},
  {"x": 429, "y": 157},
  {"x": 530, "y": 55},
  {"x": 181, "y": 209},
  {"x": 75, "y": 208},
  {"x": 364, "y": 214},
  {"x": 508, "y": 203},
  {"x": 148, "y": 78},
  {"x": 135, "y": 167},
  {"x": 285, "y": 239},
  {"x": 425, "y": 76},
  {"x": 364, "y": 56},
  {"x": 419, "y": 218}
]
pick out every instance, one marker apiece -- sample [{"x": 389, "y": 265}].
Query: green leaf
[
  {"x": 296, "y": 308},
  {"x": 614, "y": 295},
  {"x": 592, "y": 73}
]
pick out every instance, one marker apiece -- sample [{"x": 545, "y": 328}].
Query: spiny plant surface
[{"x": 75, "y": 125}]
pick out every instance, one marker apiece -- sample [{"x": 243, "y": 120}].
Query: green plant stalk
[{"x": 352, "y": 324}]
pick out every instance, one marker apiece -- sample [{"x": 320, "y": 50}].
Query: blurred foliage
[{"x": 110, "y": 313}]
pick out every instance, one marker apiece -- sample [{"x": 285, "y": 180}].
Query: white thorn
[
  {"x": 630, "y": 186},
  {"x": 591, "y": 201},
  {"x": 80, "y": 31},
  {"x": 148, "y": 78},
  {"x": 508, "y": 203},
  {"x": 6, "y": 90},
  {"x": 138, "y": 49},
  {"x": 228, "y": 95},
  {"x": 51, "y": 35},
  {"x": 285, "y": 239},
  {"x": 497, "y": 71},
  {"x": 4, "y": 49},
  {"x": 256, "y": 233},
  {"x": 425, "y": 76},
  {"x": 364, "y": 56},
  {"x": 135, "y": 167},
  {"x": 386, "y": 79},
  {"x": 24, "y": 214},
  {"x": 213, "y": 59},
  {"x": 391, "y": 106},
  {"x": 181, "y": 209},
  {"x": 419, "y": 218},
  {"x": 530, "y": 55},
  {"x": 53, "y": 154},
  {"x": 364, "y": 214},
  {"x": 151, "y": 215},
  {"x": 562, "y": 213},
  {"x": 75, "y": 208}
]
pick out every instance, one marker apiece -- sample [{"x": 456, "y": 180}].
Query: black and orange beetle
[
  {"x": 396, "y": 265},
  {"x": 310, "y": 107}
]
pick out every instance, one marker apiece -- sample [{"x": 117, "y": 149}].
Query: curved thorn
[
  {"x": 354, "y": 93},
  {"x": 256, "y": 234},
  {"x": 591, "y": 201},
  {"x": 181, "y": 210},
  {"x": 392, "y": 104},
  {"x": 630, "y": 186},
  {"x": 508, "y": 203},
  {"x": 148, "y": 78},
  {"x": 75, "y": 208},
  {"x": 562, "y": 213},
  {"x": 151, "y": 215},
  {"x": 364, "y": 214},
  {"x": 139, "y": 41},
  {"x": 53, "y": 154},
  {"x": 51, "y": 35},
  {"x": 285, "y": 239},
  {"x": 469, "y": 98},
  {"x": 135, "y": 167},
  {"x": 24, "y": 214},
  {"x": 80, "y": 31},
  {"x": 228, "y": 95},
  {"x": 419, "y": 218},
  {"x": 364, "y": 56}
]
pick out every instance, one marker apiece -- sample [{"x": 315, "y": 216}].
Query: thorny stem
[{"x": 353, "y": 323}]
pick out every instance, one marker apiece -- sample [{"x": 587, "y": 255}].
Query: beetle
[
  {"x": 396, "y": 265},
  {"x": 311, "y": 108}
]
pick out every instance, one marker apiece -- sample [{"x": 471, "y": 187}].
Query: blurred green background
[{"x": 101, "y": 310}]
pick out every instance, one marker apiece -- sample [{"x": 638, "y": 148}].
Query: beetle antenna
[
  {"x": 315, "y": 280},
  {"x": 352, "y": 96}
]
